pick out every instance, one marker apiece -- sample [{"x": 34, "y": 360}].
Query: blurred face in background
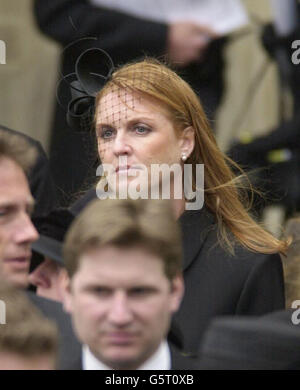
[
  {"x": 50, "y": 280},
  {"x": 14, "y": 361},
  {"x": 16, "y": 229}
]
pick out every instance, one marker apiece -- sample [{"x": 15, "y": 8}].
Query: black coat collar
[{"x": 195, "y": 226}]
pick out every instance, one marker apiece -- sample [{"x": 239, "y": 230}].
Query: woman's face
[{"x": 133, "y": 133}]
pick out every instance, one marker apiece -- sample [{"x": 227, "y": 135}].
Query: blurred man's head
[
  {"x": 124, "y": 261},
  {"x": 16, "y": 203},
  {"x": 48, "y": 274},
  {"x": 28, "y": 341},
  {"x": 49, "y": 278}
]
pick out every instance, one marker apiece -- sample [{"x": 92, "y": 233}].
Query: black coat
[
  {"x": 178, "y": 361},
  {"x": 68, "y": 346},
  {"x": 217, "y": 283}
]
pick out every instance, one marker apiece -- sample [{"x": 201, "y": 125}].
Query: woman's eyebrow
[
  {"x": 140, "y": 119},
  {"x": 132, "y": 120},
  {"x": 100, "y": 125}
]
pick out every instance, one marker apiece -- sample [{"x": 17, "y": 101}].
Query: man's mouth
[
  {"x": 120, "y": 338},
  {"x": 19, "y": 262}
]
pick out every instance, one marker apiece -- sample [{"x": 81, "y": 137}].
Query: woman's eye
[
  {"x": 106, "y": 133},
  {"x": 141, "y": 130}
]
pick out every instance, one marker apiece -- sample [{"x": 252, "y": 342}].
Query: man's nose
[
  {"x": 26, "y": 233},
  {"x": 121, "y": 145},
  {"x": 120, "y": 313}
]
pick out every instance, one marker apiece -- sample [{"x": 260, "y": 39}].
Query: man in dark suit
[
  {"x": 216, "y": 282},
  {"x": 17, "y": 233},
  {"x": 125, "y": 284}
]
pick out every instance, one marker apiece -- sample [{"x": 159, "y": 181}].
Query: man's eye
[
  {"x": 101, "y": 291},
  {"x": 6, "y": 215},
  {"x": 140, "y": 291},
  {"x": 141, "y": 130},
  {"x": 6, "y": 212}
]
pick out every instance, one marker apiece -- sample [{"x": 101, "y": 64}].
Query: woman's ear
[{"x": 187, "y": 141}]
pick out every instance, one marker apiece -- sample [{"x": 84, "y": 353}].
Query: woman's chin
[{"x": 131, "y": 188}]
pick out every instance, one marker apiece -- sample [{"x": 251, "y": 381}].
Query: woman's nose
[{"x": 121, "y": 145}]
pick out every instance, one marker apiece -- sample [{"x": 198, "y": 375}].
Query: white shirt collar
[{"x": 160, "y": 360}]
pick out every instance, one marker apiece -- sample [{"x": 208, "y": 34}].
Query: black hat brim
[{"x": 50, "y": 248}]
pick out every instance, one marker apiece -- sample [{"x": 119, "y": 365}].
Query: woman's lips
[
  {"x": 128, "y": 168},
  {"x": 123, "y": 169}
]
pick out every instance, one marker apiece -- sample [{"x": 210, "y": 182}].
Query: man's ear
[
  {"x": 187, "y": 141},
  {"x": 63, "y": 282},
  {"x": 177, "y": 291},
  {"x": 67, "y": 295}
]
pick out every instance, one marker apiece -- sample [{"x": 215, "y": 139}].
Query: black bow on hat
[{"x": 92, "y": 68}]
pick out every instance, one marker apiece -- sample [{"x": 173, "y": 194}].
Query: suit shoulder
[
  {"x": 49, "y": 308},
  {"x": 181, "y": 361},
  {"x": 83, "y": 201}
]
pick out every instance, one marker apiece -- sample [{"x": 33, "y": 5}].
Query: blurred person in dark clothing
[
  {"x": 269, "y": 342},
  {"x": 278, "y": 151}
]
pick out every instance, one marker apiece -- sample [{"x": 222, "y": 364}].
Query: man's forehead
[
  {"x": 14, "y": 185},
  {"x": 10, "y": 171},
  {"x": 134, "y": 266}
]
